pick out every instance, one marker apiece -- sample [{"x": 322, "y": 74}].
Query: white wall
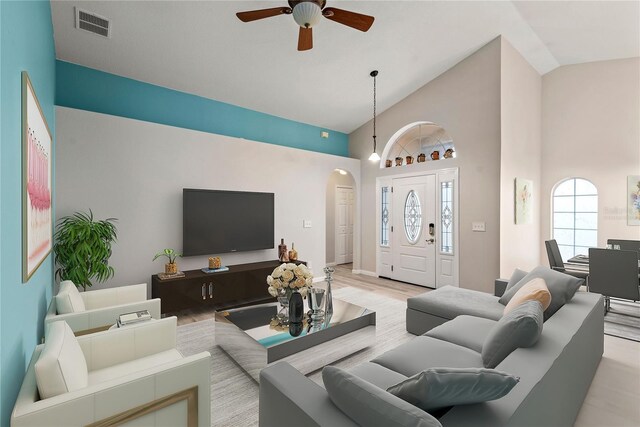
[
  {"x": 135, "y": 171},
  {"x": 591, "y": 129},
  {"x": 465, "y": 100},
  {"x": 520, "y": 151},
  {"x": 335, "y": 179}
]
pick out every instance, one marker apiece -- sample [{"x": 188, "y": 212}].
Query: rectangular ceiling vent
[{"x": 93, "y": 23}]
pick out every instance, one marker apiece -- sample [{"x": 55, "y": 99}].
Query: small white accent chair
[
  {"x": 94, "y": 311},
  {"x": 114, "y": 377}
]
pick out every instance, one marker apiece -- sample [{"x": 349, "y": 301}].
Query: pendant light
[{"x": 374, "y": 157}]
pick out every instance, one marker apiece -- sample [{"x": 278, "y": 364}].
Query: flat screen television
[{"x": 216, "y": 221}]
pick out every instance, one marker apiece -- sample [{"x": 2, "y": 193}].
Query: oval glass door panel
[{"x": 412, "y": 217}]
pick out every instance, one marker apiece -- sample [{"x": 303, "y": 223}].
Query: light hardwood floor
[{"x": 613, "y": 398}]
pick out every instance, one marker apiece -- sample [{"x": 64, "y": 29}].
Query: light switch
[
  {"x": 478, "y": 226},
  {"x": 306, "y": 223}
]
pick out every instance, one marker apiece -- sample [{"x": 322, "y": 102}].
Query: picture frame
[
  {"x": 37, "y": 145},
  {"x": 523, "y": 205},
  {"x": 633, "y": 200}
]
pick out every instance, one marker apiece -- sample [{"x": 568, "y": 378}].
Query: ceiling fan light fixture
[{"x": 307, "y": 14}]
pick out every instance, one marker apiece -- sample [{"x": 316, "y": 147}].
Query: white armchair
[
  {"x": 94, "y": 311},
  {"x": 132, "y": 374}
]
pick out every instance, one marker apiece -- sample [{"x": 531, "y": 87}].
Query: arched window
[
  {"x": 417, "y": 142},
  {"x": 575, "y": 216}
]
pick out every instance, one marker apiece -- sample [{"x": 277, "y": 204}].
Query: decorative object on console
[
  {"x": 214, "y": 262},
  {"x": 435, "y": 155},
  {"x": 283, "y": 254},
  {"x": 409, "y": 160},
  {"x": 633, "y": 201},
  {"x": 82, "y": 248},
  {"x": 523, "y": 205},
  {"x": 328, "y": 305},
  {"x": 36, "y": 182},
  {"x": 293, "y": 254},
  {"x": 170, "y": 267},
  {"x": 422, "y": 158}
]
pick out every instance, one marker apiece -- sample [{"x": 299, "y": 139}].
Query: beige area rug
[{"x": 234, "y": 394}]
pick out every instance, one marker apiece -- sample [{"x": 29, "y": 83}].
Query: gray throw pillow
[
  {"x": 561, "y": 286},
  {"x": 516, "y": 276},
  {"x": 442, "y": 387},
  {"x": 369, "y": 405},
  {"x": 521, "y": 327}
]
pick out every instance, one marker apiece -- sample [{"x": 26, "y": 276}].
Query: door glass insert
[
  {"x": 412, "y": 217},
  {"x": 384, "y": 220},
  {"x": 446, "y": 215}
]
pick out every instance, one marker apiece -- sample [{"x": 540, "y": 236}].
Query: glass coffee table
[{"x": 255, "y": 337}]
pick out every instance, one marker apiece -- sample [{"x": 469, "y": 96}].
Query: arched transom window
[{"x": 575, "y": 216}]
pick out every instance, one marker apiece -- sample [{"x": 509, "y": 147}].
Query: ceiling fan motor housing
[{"x": 307, "y": 13}]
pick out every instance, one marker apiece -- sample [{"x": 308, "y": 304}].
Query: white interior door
[
  {"x": 413, "y": 240},
  {"x": 344, "y": 225}
]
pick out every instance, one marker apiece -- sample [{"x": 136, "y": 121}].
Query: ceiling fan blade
[
  {"x": 254, "y": 15},
  {"x": 305, "y": 38},
  {"x": 350, "y": 19}
]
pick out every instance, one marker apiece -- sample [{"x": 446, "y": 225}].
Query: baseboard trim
[
  {"x": 331, "y": 264},
  {"x": 365, "y": 273}
]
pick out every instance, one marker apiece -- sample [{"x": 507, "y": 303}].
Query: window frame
[{"x": 574, "y": 212}]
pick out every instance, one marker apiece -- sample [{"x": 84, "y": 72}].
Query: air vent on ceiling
[{"x": 93, "y": 23}]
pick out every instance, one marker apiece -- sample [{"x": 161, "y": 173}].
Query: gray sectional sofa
[{"x": 555, "y": 373}]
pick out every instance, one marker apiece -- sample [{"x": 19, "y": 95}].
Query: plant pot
[
  {"x": 422, "y": 158},
  {"x": 171, "y": 268},
  {"x": 409, "y": 160},
  {"x": 399, "y": 161},
  {"x": 387, "y": 163}
]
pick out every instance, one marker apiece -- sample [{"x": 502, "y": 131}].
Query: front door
[{"x": 413, "y": 232}]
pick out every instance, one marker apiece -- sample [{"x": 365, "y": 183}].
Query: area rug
[
  {"x": 234, "y": 394},
  {"x": 623, "y": 320}
]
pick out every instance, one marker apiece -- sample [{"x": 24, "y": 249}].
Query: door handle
[
  {"x": 210, "y": 289},
  {"x": 204, "y": 292},
  {"x": 431, "y": 241}
]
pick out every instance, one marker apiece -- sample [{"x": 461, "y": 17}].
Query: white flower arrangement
[{"x": 290, "y": 277}]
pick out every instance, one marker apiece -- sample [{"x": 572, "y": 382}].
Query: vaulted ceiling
[{"x": 200, "y": 47}]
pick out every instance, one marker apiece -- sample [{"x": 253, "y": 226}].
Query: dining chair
[
  {"x": 556, "y": 263},
  {"x": 625, "y": 245},
  {"x": 614, "y": 274}
]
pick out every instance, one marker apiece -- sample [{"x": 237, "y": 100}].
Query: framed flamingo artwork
[{"x": 37, "y": 226}]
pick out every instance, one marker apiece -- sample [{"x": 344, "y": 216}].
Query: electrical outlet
[
  {"x": 325, "y": 134},
  {"x": 306, "y": 223},
  {"x": 478, "y": 226}
]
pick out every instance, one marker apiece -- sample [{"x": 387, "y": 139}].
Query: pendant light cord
[{"x": 374, "y": 74}]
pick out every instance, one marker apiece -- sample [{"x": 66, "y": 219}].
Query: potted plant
[
  {"x": 82, "y": 248},
  {"x": 170, "y": 267}
]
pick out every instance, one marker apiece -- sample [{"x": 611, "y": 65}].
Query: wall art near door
[
  {"x": 633, "y": 200},
  {"x": 37, "y": 227},
  {"x": 523, "y": 202}
]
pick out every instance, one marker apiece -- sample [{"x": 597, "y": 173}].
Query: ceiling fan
[{"x": 307, "y": 13}]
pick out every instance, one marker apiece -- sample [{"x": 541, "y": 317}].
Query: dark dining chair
[
  {"x": 625, "y": 245},
  {"x": 556, "y": 263},
  {"x": 614, "y": 274}
]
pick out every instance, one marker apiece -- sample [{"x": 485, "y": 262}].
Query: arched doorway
[{"x": 417, "y": 207}]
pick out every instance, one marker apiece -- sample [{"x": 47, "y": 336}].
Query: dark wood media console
[{"x": 243, "y": 284}]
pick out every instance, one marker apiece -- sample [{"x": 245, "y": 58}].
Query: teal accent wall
[
  {"x": 26, "y": 43},
  {"x": 88, "y": 89}
]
